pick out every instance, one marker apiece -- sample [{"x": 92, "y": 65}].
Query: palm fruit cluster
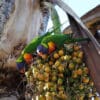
[{"x": 62, "y": 75}]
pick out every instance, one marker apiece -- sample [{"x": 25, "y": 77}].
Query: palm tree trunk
[
  {"x": 28, "y": 20},
  {"x": 6, "y": 7}
]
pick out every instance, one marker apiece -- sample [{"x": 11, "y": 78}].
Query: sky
[{"x": 80, "y": 7}]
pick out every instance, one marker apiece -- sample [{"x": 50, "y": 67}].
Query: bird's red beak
[{"x": 40, "y": 54}]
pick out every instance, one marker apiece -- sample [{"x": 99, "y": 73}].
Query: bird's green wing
[{"x": 58, "y": 39}]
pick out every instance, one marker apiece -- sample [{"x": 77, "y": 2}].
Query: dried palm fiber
[{"x": 23, "y": 25}]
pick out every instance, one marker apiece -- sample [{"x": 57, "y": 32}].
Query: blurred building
[{"x": 92, "y": 20}]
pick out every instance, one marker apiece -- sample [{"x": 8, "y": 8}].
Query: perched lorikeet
[
  {"x": 26, "y": 54},
  {"x": 57, "y": 41}
]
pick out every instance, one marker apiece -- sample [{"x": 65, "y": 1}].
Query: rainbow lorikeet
[
  {"x": 26, "y": 54},
  {"x": 57, "y": 40}
]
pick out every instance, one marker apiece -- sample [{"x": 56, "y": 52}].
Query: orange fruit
[
  {"x": 67, "y": 57},
  {"x": 47, "y": 69},
  {"x": 61, "y": 75},
  {"x": 86, "y": 70},
  {"x": 80, "y": 54},
  {"x": 61, "y": 68},
  {"x": 81, "y": 87},
  {"x": 62, "y": 58},
  {"x": 61, "y": 52},
  {"x": 46, "y": 76},
  {"x": 79, "y": 72},
  {"x": 78, "y": 60},
  {"x": 76, "y": 47},
  {"x": 75, "y": 54},
  {"x": 74, "y": 59},
  {"x": 57, "y": 63},
  {"x": 60, "y": 81},
  {"x": 71, "y": 66},
  {"x": 85, "y": 80},
  {"x": 91, "y": 83},
  {"x": 74, "y": 74},
  {"x": 50, "y": 62},
  {"x": 40, "y": 76},
  {"x": 60, "y": 88},
  {"x": 54, "y": 78},
  {"x": 56, "y": 55}
]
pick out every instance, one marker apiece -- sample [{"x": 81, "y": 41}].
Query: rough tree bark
[{"x": 28, "y": 20}]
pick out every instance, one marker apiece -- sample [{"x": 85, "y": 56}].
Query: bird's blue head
[
  {"x": 20, "y": 65},
  {"x": 42, "y": 50}
]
